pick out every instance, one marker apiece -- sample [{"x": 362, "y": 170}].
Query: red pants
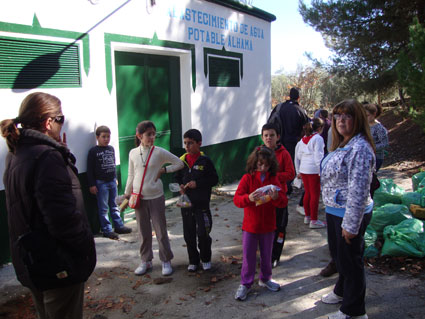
[{"x": 312, "y": 192}]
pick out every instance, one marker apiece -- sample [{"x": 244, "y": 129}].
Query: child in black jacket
[{"x": 196, "y": 180}]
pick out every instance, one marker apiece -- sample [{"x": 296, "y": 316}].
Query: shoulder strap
[{"x": 144, "y": 171}]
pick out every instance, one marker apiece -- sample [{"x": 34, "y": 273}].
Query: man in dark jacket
[
  {"x": 293, "y": 117},
  {"x": 52, "y": 247}
]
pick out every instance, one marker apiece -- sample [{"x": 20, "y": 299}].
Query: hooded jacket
[
  {"x": 345, "y": 182},
  {"x": 308, "y": 154},
  {"x": 286, "y": 170},
  {"x": 43, "y": 194},
  {"x": 258, "y": 219}
]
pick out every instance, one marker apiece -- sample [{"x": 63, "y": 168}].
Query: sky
[{"x": 290, "y": 36}]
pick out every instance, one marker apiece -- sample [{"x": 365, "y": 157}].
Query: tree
[{"x": 366, "y": 36}]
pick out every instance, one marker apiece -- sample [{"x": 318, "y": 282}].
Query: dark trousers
[
  {"x": 197, "y": 224},
  {"x": 351, "y": 284},
  {"x": 290, "y": 147},
  {"x": 280, "y": 233}
]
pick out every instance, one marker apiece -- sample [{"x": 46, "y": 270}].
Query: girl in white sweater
[
  {"x": 308, "y": 155},
  {"x": 152, "y": 204}
]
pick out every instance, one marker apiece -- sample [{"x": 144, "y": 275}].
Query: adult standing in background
[
  {"x": 46, "y": 215},
  {"x": 293, "y": 117},
  {"x": 346, "y": 177}
]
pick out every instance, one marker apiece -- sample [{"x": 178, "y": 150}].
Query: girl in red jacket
[{"x": 259, "y": 222}]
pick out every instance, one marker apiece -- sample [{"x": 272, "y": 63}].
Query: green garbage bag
[
  {"x": 370, "y": 238},
  {"x": 421, "y": 186},
  {"x": 389, "y": 214},
  {"x": 411, "y": 198},
  {"x": 388, "y": 192},
  {"x": 416, "y": 179},
  {"x": 405, "y": 239}
]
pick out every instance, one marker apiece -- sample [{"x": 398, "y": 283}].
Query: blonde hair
[{"x": 35, "y": 109}]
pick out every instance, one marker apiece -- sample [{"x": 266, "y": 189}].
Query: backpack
[{"x": 275, "y": 119}]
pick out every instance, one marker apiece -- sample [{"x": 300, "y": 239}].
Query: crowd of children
[{"x": 262, "y": 193}]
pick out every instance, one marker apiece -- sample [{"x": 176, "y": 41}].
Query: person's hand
[
  {"x": 182, "y": 189},
  {"x": 299, "y": 175},
  {"x": 274, "y": 194},
  {"x": 191, "y": 184},
  {"x": 254, "y": 196},
  {"x": 347, "y": 236},
  {"x": 93, "y": 190},
  {"x": 127, "y": 196}
]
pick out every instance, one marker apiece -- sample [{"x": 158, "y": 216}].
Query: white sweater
[
  {"x": 137, "y": 157},
  {"x": 308, "y": 156}
]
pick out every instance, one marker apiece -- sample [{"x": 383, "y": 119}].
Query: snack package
[
  {"x": 174, "y": 187},
  {"x": 265, "y": 194},
  {"x": 184, "y": 201}
]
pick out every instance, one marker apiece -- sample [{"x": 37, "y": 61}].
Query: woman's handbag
[{"x": 134, "y": 201}]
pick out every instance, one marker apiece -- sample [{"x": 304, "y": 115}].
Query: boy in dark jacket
[
  {"x": 101, "y": 175},
  {"x": 196, "y": 179}
]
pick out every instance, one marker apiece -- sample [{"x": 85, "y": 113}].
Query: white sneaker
[
  {"x": 192, "y": 268},
  {"x": 270, "y": 285},
  {"x": 143, "y": 268},
  {"x": 341, "y": 315},
  {"x": 300, "y": 210},
  {"x": 331, "y": 298},
  {"x": 306, "y": 220},
  {"x": 166, "y": 268},
  {"x": 206, "y": 266},
  {"x": 242, "y": 293},
  {"x": 317, "y": 224},
  {"x": 275, "y": 263}
]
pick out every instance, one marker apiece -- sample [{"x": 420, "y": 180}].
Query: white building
[{"x": 183, "y": 64}]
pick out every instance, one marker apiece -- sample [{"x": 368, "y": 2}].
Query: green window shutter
[
  {"x": 27, "y": 64},
  {"x": 223, "y": 72}
]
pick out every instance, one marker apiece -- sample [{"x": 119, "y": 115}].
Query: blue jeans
[{"x": 106, "y": 194}]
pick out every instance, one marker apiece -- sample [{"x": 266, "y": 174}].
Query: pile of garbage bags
[{"x": 397, "y": 220}]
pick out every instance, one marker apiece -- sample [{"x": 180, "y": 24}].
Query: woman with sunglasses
[
  {"x": 52, "y": 247},
  {"x": 346, "y": 175}
]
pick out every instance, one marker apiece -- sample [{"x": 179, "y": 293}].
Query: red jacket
[
  {"x": 286, "y": 167},
  {"x": 258, "y": 219}
]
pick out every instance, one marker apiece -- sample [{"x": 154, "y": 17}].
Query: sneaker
[
  {"x": 166, "y": 268},
  {"x": 143, "y": 268},
  {"x": 270, "y": 285},
  {"x": 300, "y": 210},
  {"x": 111, "y": 235},
  {"x": 317, "y": 224},
  {"x": 242, "y": 292},
  {"x": 341, "y": 315},
  {"x": 275, "y": 263},
  {"x": 192, "y": 268},
  {"x": 306, "y": 220},
  {"x": 331, "y": 298},
  {"x": 206, "y": 266},
  {"x": 123, "y": 230},
  {"x": 329, "y": 270}
]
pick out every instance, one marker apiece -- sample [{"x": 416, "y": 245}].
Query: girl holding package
[
  {"x": 259, "y": 222},
  {"x": 145, "y": 167}
]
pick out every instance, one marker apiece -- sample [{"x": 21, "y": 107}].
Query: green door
[{"x": 148, "y": 88}]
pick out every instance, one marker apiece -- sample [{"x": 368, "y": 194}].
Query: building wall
[{"x": 192, "y": 30}]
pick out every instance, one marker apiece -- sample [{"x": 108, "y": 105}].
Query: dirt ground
[{"x": 395, "y": 286}]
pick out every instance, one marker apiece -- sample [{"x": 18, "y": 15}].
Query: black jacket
[
  {"x": 293, "y": 118},
  {"x": 204, "y": 174},
  {"x": 43, "y": 194}
]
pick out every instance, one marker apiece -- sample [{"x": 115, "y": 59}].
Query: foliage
[{"x": 366, "y": 36}]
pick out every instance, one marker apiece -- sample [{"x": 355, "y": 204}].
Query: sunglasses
[
  {"x": 60, "y": 119},
  {"x": 342, "y": 117}
]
